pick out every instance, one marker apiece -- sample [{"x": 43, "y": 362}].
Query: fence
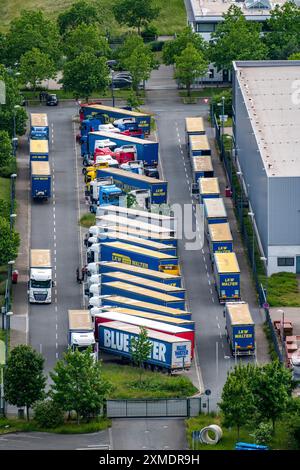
[
  {"x": 240, "y": 202},
  {"x": 178, "y": 407}
]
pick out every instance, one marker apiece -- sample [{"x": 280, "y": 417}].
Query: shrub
[
  {"x": 7, "y": 170},
  {"x": 263, "y": 434},
  {"x": 156, "y": 46},
  {"x": 48, "y": 414},
  {"x": 149, "y": 33}
]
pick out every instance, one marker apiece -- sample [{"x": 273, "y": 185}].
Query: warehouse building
[
  {"x": 266, "y": 125},
  {"x": 204, "y": 16}
]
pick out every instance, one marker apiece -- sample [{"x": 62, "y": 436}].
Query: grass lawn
[
  {"x": 229, "y": 439},
  {"x": 125, "y": 381},
  {"x": 205, "y": 92},
  {"x": 5, "y": 189},
  {"x": 283, "y": 290},
  {"x": 172, "y": 9},
  {"x": 87, "y": 220},
  {"x": 19, "y": 425}
]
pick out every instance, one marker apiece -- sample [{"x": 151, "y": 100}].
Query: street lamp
[
  {"x": 13, "y": 177},
  {"x": 15, "y": 139},
  {"x": 12, "y": 217},
  {"x": 112, "y": 88},
  {"x": 265, "y": 260}
]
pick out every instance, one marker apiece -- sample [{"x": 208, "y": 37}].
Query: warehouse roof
[
  {"x": 200, "y": 10},
  {"x": 270, "y": 91}
]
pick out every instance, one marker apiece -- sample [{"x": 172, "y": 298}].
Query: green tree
[
  {"x": 140, "y": 348},
  {"x": 81, "y": 12},
  {"x": 295, "y": 56},
  {"x": 283, "y": 37},
  {"x": 174, "y": 48},
  {"x": 139, "y": 64},
  {"x": 78, "y": 384},
  {"x": 5, "y": 148},
  {"x": 32, "y": 30},
  {"x": 7, "y": 111},
  {"x": 227, "y": 102},
  {"x": 85, "y": 74},
  {"x": 236, "y": 38},
  {"x": 48, "y": 414},
  {"x": 9, "y": 242},
  {"x": 24, "y": 381},
  {"x": 135, "y": 13},
  {"x": 189, "y": 65},
  {"x": 237, "y": 400},
  {"x": 263, "y": 434},
  {"x": 4, "y": 209},
  {"x": 36, "y": 66},
  {"x": 86, "y": 38},
  {"x": 272, "y": 388}
]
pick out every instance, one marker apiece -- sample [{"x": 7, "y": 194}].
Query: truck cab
[
  {"x": 40, "y": 277},
  {"x": 136, "y": 166},
  {"x": 104, "y": 193},
  {"x": 81, "y": 332},
  {"x": 82, "y": 341}
]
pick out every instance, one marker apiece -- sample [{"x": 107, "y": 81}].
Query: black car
[
  {"x": 121, "y": 82},
  {"x": 52, "y": 100}
]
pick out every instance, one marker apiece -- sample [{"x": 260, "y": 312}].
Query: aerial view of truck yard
[{"x": 149, "y": 229}]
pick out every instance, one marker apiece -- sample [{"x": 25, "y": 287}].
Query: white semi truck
[
  {"x": 81, "y": 331},
  {"x": 40, "y": 277}
]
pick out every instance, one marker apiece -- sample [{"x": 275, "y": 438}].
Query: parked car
[{"x": 52, "y": 100}]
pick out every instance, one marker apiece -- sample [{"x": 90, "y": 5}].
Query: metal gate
[{"x": 177, "y": 407}]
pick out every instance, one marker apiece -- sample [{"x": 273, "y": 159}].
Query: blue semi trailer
[
  {"x": 40, "y": 180},
  {"x": 38, "y": 150},
  {"x": 128, "y": 181},
  {"x": 145, "y": 294},
  {"x": 147, "y": 150},
  {"x": 110, "y": 114},
  {"x": 240, "y": 328},
  {"x": 167, "y": 351},
  {"x": 39, "y": 128},
  {"x": 111, "y": 266},
  {"x": 227, "y": 276},
  {"x": 220, "y": 238}
]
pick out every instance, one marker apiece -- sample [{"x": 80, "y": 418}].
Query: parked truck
[
  {"x": 112, "y": 113},
  {"x": 144, "y": 294},
  {"x": 220, "y": 238},
  {"x": 137, "y": 281},
  {"x": 141, "y": 216},
  {"x": 39, "y": 150},
  {"x": 208, "y": 188},
  {"x": 188, "y": 324},
  {"x": 123, "y": 223},
  {"x": 133, "y": 231},
  {"x": 81, "y": 332},
  {"x": 167, "y": 351},
  {"x": 214, "y": 211},
  {"x": 113, "y": 301},
  {"x": 104, "y": 192},
  {"x": 147, "y": 150},
  {"x": 227, "y": 276},
  {"x": 96, "y": 269},
  {"x": 40, "y": 180},
  {"x": 198, "y": 145},
  {"x": 39, "y": 128},
  {"x": 202, "y": 168},
  {"x": 193, "y": 126},
  {"x": 127, "y": 180},
  {"x": 138, "y": 256},
  {"x": 40, "y": 277},
  {"x": 240, "y": 328},
  {"x": 154, "y": 325}
]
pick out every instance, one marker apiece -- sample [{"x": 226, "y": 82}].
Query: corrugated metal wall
[
  {"x": 284, "y": 211},
  {"x": 251, "y": 165}
]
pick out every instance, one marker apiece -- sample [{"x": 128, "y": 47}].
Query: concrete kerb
[{"x": 19, "y": 333}]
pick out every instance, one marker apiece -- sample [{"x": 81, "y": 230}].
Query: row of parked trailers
[
  {"x": 239, "y": 323},
  {"x": 39, "y": 156},
  {"x": 130, "y": 288}
]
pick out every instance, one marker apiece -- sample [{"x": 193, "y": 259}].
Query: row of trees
[
  {"x": 256, "y": 395},
  {"x": 235, "y": 39},
  {"x": 77, "y": 382},
  {"x": 38, "y": 47}
]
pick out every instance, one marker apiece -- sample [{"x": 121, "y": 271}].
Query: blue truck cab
[
  {"x": 40, "y": 180},
  {"x": 227, "y": 277},
  {"x": 240, "y": 328},
  {"x": 39, "y": 128}
]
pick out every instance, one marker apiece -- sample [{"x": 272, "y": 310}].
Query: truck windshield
[
  {"x": 111, "y": 198},
  {"x": 40, "y": 284},
  {"x": 84, "y": 348}
]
